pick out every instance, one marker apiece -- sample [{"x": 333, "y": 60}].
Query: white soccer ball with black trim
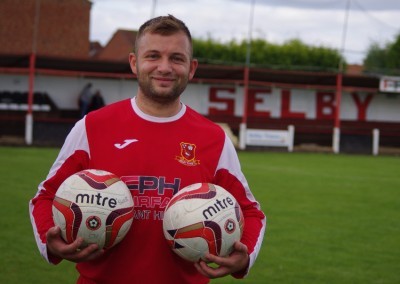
[
  {"x": 202, "y": 218},
  {"x": 95, "y": 205}
]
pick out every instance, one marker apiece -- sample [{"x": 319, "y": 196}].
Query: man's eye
[
  {"x": 178, "y": 59},
  {"x": 152, "y": 56}
]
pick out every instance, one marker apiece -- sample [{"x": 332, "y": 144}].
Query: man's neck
[{"x": 157, "y": 109}]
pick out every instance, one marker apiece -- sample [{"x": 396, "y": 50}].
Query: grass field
[{"x": 331, "y": 218}]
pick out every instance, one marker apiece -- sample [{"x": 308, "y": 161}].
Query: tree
[
  {"x": 384, "y": 59},
  {"x": 394, "y": 54},
  {"x": 293, "y": 54}
]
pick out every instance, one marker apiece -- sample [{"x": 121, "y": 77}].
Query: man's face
[{"x": 163, "y": 66}]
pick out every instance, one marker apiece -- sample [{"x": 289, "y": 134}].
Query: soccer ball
[
  {"x": 202, "y": 218},
  {"x": 95, "y": 205}
]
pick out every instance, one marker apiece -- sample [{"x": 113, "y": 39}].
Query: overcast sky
[{"x": 315, "y": 22}]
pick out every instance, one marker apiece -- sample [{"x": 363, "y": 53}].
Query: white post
[
  {"x": 291, "y": 137},
  {"x": 242, "y": 136},
  {"x": 375, "y": 141},
  {"x": 336, "y": 140},
  {"x": 153, "y": 9},
  {"x": 28, "y": 128}
]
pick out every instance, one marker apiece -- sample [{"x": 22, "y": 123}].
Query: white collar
[{"x": 157, "y": 119}]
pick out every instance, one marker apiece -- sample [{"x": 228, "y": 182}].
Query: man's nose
[{"x": 164, "y": 65}]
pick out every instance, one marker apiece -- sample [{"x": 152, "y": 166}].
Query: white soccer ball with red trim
[
  {"x": 95, "y": 205},
  {"x": 202, "y": 218}
]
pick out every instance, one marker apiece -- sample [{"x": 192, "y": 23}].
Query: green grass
[
  {"x": 21, "y": 170},
  {"x": 331, "y": 218}
]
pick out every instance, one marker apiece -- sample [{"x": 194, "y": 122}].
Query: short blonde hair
[{"x": 164, "y": 25}]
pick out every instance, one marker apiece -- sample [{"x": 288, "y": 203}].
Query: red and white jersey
[{"x": 155, "y": 157}]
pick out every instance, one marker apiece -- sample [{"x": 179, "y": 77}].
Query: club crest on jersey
[{"x": 188, "y": 155}]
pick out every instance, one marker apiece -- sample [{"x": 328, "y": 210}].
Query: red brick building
[
  {"x": 119, "y": 46},
  {"x": 62, "y": 27}
]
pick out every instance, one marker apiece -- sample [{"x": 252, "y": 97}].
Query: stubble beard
[{"x": 162, "y": 97}]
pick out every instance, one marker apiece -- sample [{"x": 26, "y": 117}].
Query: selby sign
[{"x": 290, "y": 103}]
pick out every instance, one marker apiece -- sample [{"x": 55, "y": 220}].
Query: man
[
  {"x": 145, "y": 139},
  {"x": 85, "y": 98}
]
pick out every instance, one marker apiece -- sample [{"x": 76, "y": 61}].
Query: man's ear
[
  {"x": 132, "y": 62},
  {"x": 193, "y": 67}
]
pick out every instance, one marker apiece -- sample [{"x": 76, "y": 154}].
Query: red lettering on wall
[
  {"x": 253, "y": 100},
  {"x": 362, "y": 105},
  {"x": 325, "y": 105},
  {"x": 285, "y": 107},
  {"x": 229, "y": 103}
]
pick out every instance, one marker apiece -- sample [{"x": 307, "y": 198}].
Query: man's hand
[
  {"x": 237, "y": 261},
  {"x": 58, "y": 248}
]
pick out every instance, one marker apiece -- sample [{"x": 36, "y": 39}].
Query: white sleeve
[{"x": 76, "y": 140}]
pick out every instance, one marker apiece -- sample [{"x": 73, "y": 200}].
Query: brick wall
[
  {"x": 63, "y": 27},
  {"x": 119, "y": 47}
]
